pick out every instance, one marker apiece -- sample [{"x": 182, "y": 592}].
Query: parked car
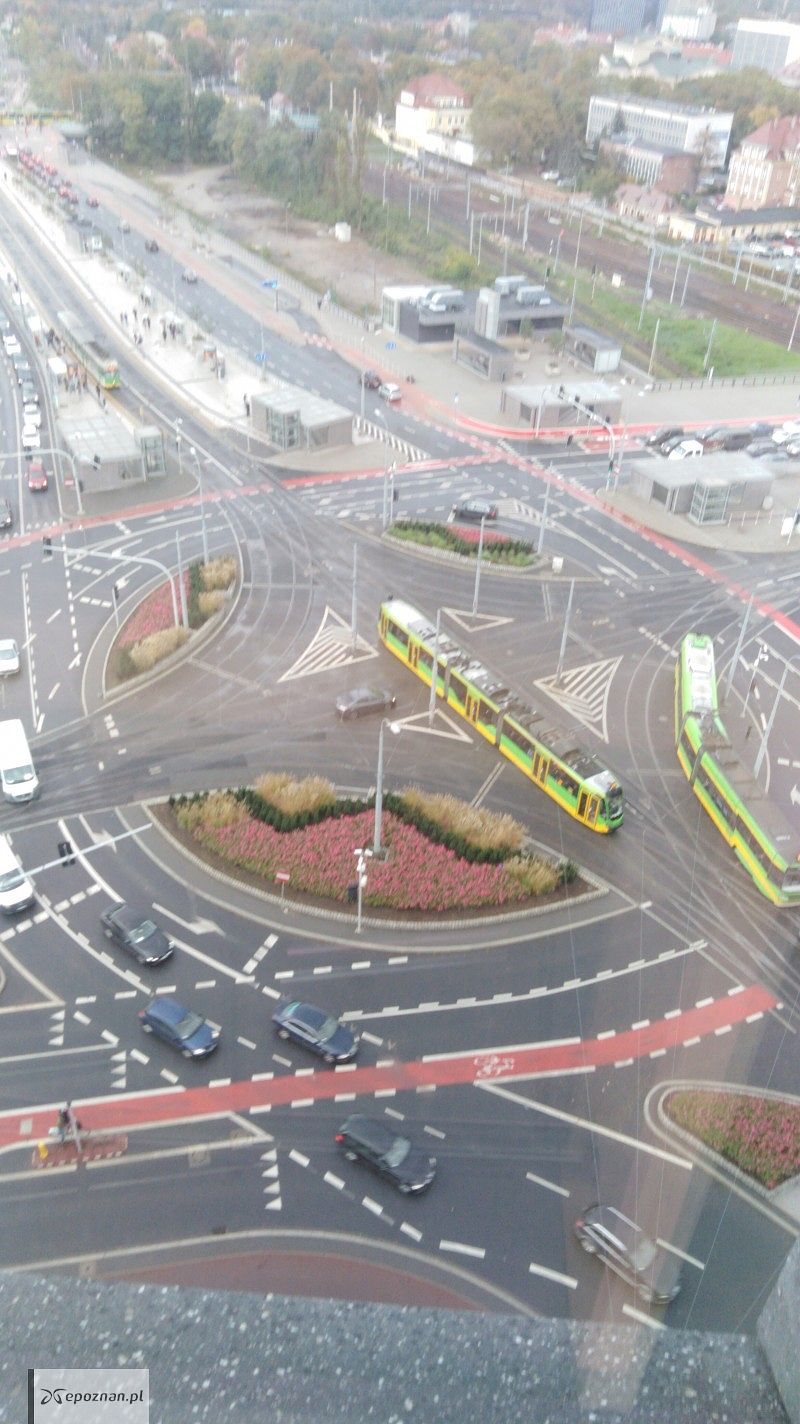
[
  {"x": 189, "y": 1032},
  {"x": 370, "y": 379},
  {"x": 786, "y": 431},
  {"x": 150, "y": 245},
  {"x": 758, "y": 448},
  {"x": 189, "y": 275},
  {"x": 622, "y": 1246},
  {"x": 760, "y": 429},
  {"x": 9, "y": 657},
  {"x": 31, "y": 439},
  {"x": 713, "y": 437},
  {"x": 315, "y": 1029},
  {"x": 738, "y": 439},
  {"x": 362, "y": 701},
  {"x": 136, "y": 933},
  {"x": 6, "y": 516},
  {"x": 474, "y": 510},
  {"x": 370, "y": 1140},
  {"x": 388, "y": 391},
  {"x": 92, "y": 203},
  {"x": 666, "y": 432},
  {"x": 29, "y": 391},
  {"x": 37, "y": 477},
  {"x": 685, "y": 450}
]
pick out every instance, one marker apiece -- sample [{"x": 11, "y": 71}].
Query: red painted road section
[{"x": 154, "y": 1108}]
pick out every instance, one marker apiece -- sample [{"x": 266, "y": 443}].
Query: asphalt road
[{"x": 529, "y": 1057}]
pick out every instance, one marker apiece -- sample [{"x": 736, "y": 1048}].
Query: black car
[
  {"x": 370, "y": 379},
  {"x": 667, "y": 432},
  {"x": 672, "y": 443},
  {"x": 474, "y": 510},
  {"x": 387, "y": 1152},
  {"x": 713, "y": 437},
  {"x": 760, "y": 429},
  {"x": 364, "y": 700},
  {"x": 766, "y": 449},
  {"x": 738, "y": 439},
  {"x": 136, "y": 934},
  {"x": 150, "y": 245},
  {"x": 622, "y": 1245},
  {"x": 190, "y": 1033},
  {"x": 6, "y": 516},
  {"x": 313, "y": 1028}
]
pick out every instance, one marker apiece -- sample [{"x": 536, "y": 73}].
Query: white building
[
  {"x": 675, "y": 128},
  {"x": 688, "y": 20},
  {"x": 433, "y": 115},
  {"x": 765, "y": 44}
]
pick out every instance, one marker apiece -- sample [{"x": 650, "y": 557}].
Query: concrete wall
[{"x": 778, "y": 1332}]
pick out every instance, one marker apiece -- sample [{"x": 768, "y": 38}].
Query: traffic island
[
  {"x": 755, "y": 1131},
  {"x": 170, "y": 618},
  {"x": 458, "y": 544},
  {"x": 433, "y": 855}
]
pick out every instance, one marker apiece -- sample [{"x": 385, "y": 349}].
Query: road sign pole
[
  {"x": 738, "y": 650},
  {"x": 762, "y": 749},
  {"x": 566, "y": 629},
  {"x": 434, "y": 669}
]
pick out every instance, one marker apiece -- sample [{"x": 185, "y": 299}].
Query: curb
[{"x": 598, "y": 890}]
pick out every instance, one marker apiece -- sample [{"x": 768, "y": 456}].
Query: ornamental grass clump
[
  {"x": 210, "y": 602},
  {"x": 205, "y": 815},
  {"x": 293, "y": 797},
  {"x": 218, "y": 573},
  {"x": 533, "y": 875},
  {"x": 485, "y": 830},
  {"x": 153, "y": 649}
]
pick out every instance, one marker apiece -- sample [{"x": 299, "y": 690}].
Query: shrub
[
  {"x": 154, "y": 648},
  {"x": 534, "y": 876},
  {"x": 210, "y": 602},
  {"x": 193, "y": 600},
  {"x": 568, "y": 872},
  {"x": 293, "y": 797},
  {"x": 218, "y": 573},
  {"x": 497, "y": 548},
  {"x": 760, "y": 1136},
  {"x": 204, "y": 814},
  {"x": 485, "y": 830}
]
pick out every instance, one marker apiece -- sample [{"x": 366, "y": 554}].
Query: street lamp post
[
  {"x": 363, "y": 854},
  {"x": 478, "y": 568},
  {"x": 178, "y": 437},
  {"x": 199, "y": 473},
  {"x": 394, "y": 727}
]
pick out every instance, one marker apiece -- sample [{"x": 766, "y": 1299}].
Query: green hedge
[
  {"x": 196, "y": 618},
  {"x": 495, "y": 551},
  {"x": 262, "y": 810}
]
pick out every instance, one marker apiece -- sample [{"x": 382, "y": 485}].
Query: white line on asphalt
[
  {"x": 373, "y": 1206},
  {"x": 434, "y": 1131},
  {"x": 371, "y": 1038},
  {"x": 582, "y": 1122},
  {"x": 684, "y": 1255},
  {"x": 549, "y": 1275},
  {"x": 410, "y": 1231},
  {"x": 299, "y": 1157},
  {"x": 245, "y": 1042},
  {"x": 543, "y": 1182},
  {"x": 460, "y": 1248},
  {"x": 642, "y": 1317},
  {"x": 333, "y": 1181}
]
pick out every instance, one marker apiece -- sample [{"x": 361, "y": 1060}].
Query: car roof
[
  {"x": 128, "y": 917},
  {"x": 168, "y": 1010},
  {"x": 616, "y": 1223},
  {"x": 371, "y": 1130}
]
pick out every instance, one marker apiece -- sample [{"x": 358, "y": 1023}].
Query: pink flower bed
[
  {"x": 760, "y": 1136},
  {"x": 153, "y": 614},
  {"x": 418, "y": 874},
  {"x": 472, "y": 534}
]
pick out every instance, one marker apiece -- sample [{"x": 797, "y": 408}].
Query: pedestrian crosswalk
[
  {"x": 368, "y": 429},
  {"x": 583, "y": 692}
]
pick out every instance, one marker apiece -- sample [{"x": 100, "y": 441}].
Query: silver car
[
  {"x": 623, "y": 1247},
  {"x": 364, "y": 700},
  {"x": 9, "y": 657}
]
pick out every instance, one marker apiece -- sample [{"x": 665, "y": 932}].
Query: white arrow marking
[
  {"x": 198, "y": 926},
  {"x": 794, "y": 796}
]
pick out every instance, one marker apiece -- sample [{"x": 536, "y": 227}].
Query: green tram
[
  {"x": 765, "y": 843},
  {"x": 89, "y": 348},
  {"x": 553, "y": 760}
]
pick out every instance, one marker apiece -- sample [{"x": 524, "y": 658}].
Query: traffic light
[
  {"x": 47, "y": 547},
  {"x": 610, "y": 466},
  {"x": 115, "y": 592}
]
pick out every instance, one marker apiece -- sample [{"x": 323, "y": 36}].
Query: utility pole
[
  {"x": 578, "y": 248},
  {"x": 428, "y": 226},
  {"x": 434, "y": 669},
  {"x": 685, "y": 285},
  {"x": 737, "y": 653},
  {"x": 563, "y": 648},
  {"x": 674, "y": 280},
  {"x": 478, "y": 568},
  {"x": 525, "y": 228},
  {"x": 653, "y": 347},
  {"x": 354, "y": 604},
  {"x": 710, "y": 343},
  {"x": 540, "y": 540},
  {"x": 646, "y": 291},
  {"x": 794, "y": 329}
]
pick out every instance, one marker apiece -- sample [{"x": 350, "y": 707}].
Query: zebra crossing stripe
[
  {"x": 584, "y": 692},
  {"x": 330, "y": 647}
]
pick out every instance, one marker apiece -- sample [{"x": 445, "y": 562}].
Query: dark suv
[
  {"x": 370, "y": 379},
  {"x": 136, "y": 934},
  {"x": 386, "y": 1152},
  {"x": 623, "y": 1247}
]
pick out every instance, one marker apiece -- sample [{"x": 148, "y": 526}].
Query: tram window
[
  {"x": 458, "y": 687},
  {"x": 399, "y": 633},
  {"x": 518, "y": 738},
  {"x": 559, "y": 774},
  {"x": 486, "y": 714},
  {"x": 425, "y": 659}
]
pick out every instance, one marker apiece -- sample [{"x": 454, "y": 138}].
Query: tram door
[
  {"x": 588, "y": 807},
  {"x": 540, "y": 768},
  {"x": 413, "y": 655},
  {"x": 471, "y": 709}
]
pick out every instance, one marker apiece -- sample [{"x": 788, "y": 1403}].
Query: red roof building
[{"x": 765, "y": 169}]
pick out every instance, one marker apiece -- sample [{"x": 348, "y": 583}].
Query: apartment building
[
  {"x": 688, "y": 20},
  {"x": 765, "y": 169},
  {"x": 674, "y": 128},
  {"x": 765, "y": 44}
]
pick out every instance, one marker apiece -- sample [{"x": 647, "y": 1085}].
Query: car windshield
[
  {"x": 17, "y": 774},
  {"x": 11, "y": 880},
  {"x": 398, "y": 1152},
  {"x": 142, "y": 931},
  {"x": 188, "y": 1026},
  {"x": 327, "y": 1029},
  {"x": 642, "y": 1253},
  {"x": 8, "y": 655}
]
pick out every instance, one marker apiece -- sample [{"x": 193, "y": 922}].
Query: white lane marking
[
  {"x": 582, "y": 1122},
  {"x": 53, "y": 691},
  {"x": 245, "y": 1042},
  {"x": 333, "y": 1181},
  {"x": 299, "y": 1157},
  {"x": 462, "y": 1249},
  {"x": 373, "y": 1206},
  {"x": 549, "y": 1275},
  {"x": 542, "y": 1182},
  {"x": 642, "y": 1317},
  {"x": 684, "y": 1255},
  {"x": 410, "y": 1231}
]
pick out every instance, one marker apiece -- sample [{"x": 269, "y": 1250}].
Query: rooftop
[
  {"x": 663, "y": 106},
  {"x": 778, "y": 136},
  {"x": 431, "y": 87}
]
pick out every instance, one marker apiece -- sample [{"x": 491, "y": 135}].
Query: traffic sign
[
  {"x": 270, "y": 282},
  {"x": 261, "y": 356},
  {"x": 391, "y": 345},
  {"x": 282, "y": 875}
]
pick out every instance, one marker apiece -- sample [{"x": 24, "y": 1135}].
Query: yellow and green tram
[
  {"x": 767, "y": 846},
  {"x": 551, "y": 758},
  {"x": 90, "y": 349}
]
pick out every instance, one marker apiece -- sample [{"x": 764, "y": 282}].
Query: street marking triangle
[
  {"x": 274, "y": 1205},
  {"x": 476, "y": 622},
  {"x": 584, "y": 692},
  {"x": 331, "y": 647},
  {"x": 450, "y": 729}
]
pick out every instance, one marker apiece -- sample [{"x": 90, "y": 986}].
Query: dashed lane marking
[{"x": 549, "y": 1274}]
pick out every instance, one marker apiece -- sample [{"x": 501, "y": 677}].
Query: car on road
[
  {"x": 31, "y": 440},
  {"x": 6, "y": 516},
  {"x": 387, "y": 1152},
  {"x": 389, "y": 392},
  {"x": 37, "y": 477},
  {"x": 9, "y": 657},
  {"x": 474, "y": 510},
  {"x": 136, "y": 933},
  {"x": 315, "y": 1029},
  {"x": 92, "y": 203},
  {"x": 16, "y": 890},
  {"x": 181, "y": 1028},
  {"x": 371, "y": 380},
  {"x": 622, "y": 1246},
  {"x": 684, "y": 450},
  {"x": 83, "y": 220},
  {"x": 362, "y": 701},
  {"x": 25, "y": 380},
  {"x": 150, "y": 245},
  {"x": 31, "y": 414},
  {"x": 11, "y": 344},
  {"x": 189, "y": 275},
  {"x": 666, "y": 432}
]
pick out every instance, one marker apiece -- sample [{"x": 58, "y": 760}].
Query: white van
[
  {"x": 18, "y": 779},
  {"x": 16, "y": 891},
  {"x": 507, "y": 286},
  {"x": 447, "y": 299}
]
